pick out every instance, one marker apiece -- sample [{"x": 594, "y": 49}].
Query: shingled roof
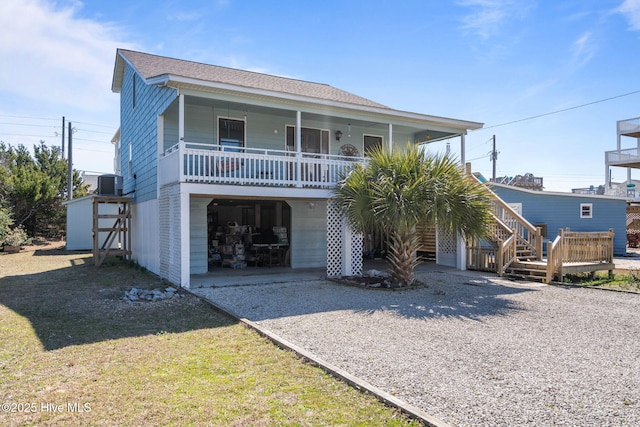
[{"x": 151, "y": 66}]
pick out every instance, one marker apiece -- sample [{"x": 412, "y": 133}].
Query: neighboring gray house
[
  {"x": 215, "y": 157},
  {"x": 578, "y": 212}
]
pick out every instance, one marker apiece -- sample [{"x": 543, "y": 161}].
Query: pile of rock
[{"x": 136, "y": 295}]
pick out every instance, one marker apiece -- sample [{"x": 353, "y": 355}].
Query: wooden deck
[{"x": 538, "y": 270}]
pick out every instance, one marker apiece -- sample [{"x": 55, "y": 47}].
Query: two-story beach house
[{"x": 227, "y": 167}]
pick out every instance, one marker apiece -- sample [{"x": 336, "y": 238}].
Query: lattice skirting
[
  {"x": 344, "y": 248},
  {"x": 170, "y": 253}
]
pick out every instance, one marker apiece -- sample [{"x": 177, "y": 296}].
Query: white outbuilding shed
[{"x": 80, "y": 223}]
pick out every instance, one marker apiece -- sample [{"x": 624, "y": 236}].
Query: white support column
[
  {"x": 181, "y": 146},
  {"x": 347, "y": 249},
  {"x": 181, "y": 118},
  {"x": 461, "y": 253},
  {"x": 606, "y": 171},
  {"x": 299, "y": 148},
  {"x": 160, "y": 131},
  {"x": 462, "y": 150},
  {"x": 185, "y": 251},
  {"x": 390, "y": 137}
]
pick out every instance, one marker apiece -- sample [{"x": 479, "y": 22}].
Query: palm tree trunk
[{"x": 403, "y": 247}]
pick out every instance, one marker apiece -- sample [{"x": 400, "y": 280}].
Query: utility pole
[
  {"x": 494, "y": 157},
  {"x": 62, "y": 137},
  {"x": 69, "y": 160}
]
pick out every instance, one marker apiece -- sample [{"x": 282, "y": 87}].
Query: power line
[
  {"x": 28, "y": 117},
  {"x": 94, "y": 131},
  {"x": 560, "y": 111},
  {"x": 27, "y": 124},
  {"x": 93, "y": 124}
]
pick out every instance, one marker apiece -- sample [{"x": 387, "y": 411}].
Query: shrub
[
  {"x": 6, "y": 221},
  {"x": 16, "y": 237}
]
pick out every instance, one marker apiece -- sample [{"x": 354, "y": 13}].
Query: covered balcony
[
  {"x": 215, "y": 141},
  {"x": 624, "y": 157},
  {"x": 218, "y": 164}
]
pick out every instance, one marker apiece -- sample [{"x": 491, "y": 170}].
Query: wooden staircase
[{"x": 514, "y": 248}]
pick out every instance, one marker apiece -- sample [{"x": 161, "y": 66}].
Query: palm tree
[{"x": 395, "y": 191}]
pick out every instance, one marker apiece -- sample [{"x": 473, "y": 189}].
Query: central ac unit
[{"x": 110, "y": 185}]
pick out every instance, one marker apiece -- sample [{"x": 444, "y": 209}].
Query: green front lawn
[{"x": 73, "y": 353}]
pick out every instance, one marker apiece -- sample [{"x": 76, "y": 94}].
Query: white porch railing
[
  {"x": 627, "y": 155},
  {"x": 628, "y": 126},
  {"x": 206, "y": 163}
]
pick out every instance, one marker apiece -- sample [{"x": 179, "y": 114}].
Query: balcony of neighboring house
[{"x": 627, "y": 157}]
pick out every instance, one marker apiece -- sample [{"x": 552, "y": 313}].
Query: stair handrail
[
  {"x": 554, "y": 256},
  {"x": 532, "y": 238},
  {"x": 527, "y": 233},
  {"x": 506, "y": 254}
]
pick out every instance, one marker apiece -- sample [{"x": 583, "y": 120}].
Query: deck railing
[
  {"x": 628, "y": 126},
  {"x": 626, "y": 155},
  {"x": 206, "y": 163},
  {"x": 576, "y": 247},
  {"x": 508, "y": 232},
  {"x": 496, "y": 255}
]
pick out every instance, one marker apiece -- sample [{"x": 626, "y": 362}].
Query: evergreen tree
[{"x": 34, "y": 187}]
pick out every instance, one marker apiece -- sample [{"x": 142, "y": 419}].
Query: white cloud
[
  {"x": 486, "y": 16},
  {"x": 631, "y": 8},
  {"x": 51, "y": 55},
  {"x": 584, "y": 48},
  {"x": 489, "y": 17},
  {"x": 184, "y": 16},
  {"x": 56, "y": 63}
]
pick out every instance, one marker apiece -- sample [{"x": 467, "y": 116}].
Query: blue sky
[{"x": 490, "y": 61}]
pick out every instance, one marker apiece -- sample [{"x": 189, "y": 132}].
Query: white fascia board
[
  {"x": 254, "y": 192},
  {"x": 177, "y": 81}
]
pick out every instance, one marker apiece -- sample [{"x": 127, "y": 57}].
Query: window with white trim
[
  {"x": 586, "y": 210},
  {"x": 231, "y": 132},
  {"x": 370, "y": 142}
]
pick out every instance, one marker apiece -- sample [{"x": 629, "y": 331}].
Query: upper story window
[
  {"x": 313, "y": 140},
  {"x": 231, "y": 132},
  {"x": 371, "y": 141},
  {"x": 586, "y": 210}
]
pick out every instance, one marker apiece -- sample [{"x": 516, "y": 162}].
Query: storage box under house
[{"x": 281, "y": 235}]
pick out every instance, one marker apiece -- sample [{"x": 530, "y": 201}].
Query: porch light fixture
[{"x": 338, "y": 135}]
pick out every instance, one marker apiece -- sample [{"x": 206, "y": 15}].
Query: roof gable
[{"x": 153, "y": 66}]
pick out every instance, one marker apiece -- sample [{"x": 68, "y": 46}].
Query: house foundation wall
[
  {"x": 308, "y": 233},
  {"x": 198, "y": 235}
]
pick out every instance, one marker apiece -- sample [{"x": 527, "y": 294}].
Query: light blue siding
[
  {"x": 561, "y": 211},
  {"x": 139, "y": 127},
  {"x": 265, "y": 128}
]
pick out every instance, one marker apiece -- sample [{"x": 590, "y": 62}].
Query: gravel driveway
[{"x": 470, "y": 349}]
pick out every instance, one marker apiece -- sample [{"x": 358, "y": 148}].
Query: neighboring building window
[
  {"x": 516, "y": 207},
  {"x": 371, "y": 141},
  {"x": 230, "y": 132},
  {"x": 586, "y": 210}
]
